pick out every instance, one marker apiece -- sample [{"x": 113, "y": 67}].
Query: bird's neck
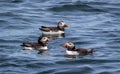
[
  {"x": 71, "y": 48},
  {"x": 60, "y": 28},
  {"x": 42, "y": 43}
]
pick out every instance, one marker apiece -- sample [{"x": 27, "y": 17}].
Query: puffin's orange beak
[
  {"x": 48, "y": 39},
  {"x": 65, "y": 45},
  {"x": 65, "y": 25}
]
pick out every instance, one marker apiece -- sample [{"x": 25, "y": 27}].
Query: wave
[
  {"x": 10, "y": 41},
  {"x": 75, "y": 7},
  {"x": 12, "y": 1}
]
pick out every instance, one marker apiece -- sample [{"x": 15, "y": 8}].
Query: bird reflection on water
[{"x": 54, "y": 36}]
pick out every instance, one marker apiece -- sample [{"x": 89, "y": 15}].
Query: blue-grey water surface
[{"x": 92, "y": 24}]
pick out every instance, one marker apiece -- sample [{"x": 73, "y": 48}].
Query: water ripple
[
  {"x": 92, "y": 24},
  {"x": 81, "y": 7}
]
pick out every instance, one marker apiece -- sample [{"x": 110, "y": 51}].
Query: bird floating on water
[
  {"x": 41, "y": 45},
  {"x": 71, "y": 50},
  {"x": 54, "y": 30}
]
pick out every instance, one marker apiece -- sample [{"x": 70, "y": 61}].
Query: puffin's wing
[
  {"x": 85, "y": 51},
  {"x": 45, "y": 29},
  {"x": 82, "y": 50},
  {"x": 28, "y": 44}
]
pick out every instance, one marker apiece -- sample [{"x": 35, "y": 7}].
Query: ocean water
[{"x": 92, "y": 24}]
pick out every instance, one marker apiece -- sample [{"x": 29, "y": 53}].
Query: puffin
[
  {"x": 41, "y": 45},
  {"x": 71, "y": 50},
  {"x": 54, "y": 30}
]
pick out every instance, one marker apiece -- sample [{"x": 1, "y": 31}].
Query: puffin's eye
[
  {"x": 44, "y": 37},
  {"x": 61, "y": 24},
  {"x": 71, "y": 44}
]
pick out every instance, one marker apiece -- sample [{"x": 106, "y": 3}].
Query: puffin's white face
[
  {"x": 45, "y": 39},
  {"x": 62, "y": 24},
  {"x": 69, "y": 44}
]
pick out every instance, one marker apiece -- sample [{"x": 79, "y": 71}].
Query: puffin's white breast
[
  {"x": 53, "y": 32},
  {"x": 72, "y": 52},
  {"x": 43, "y": 48},
  {"x": 28, "y": 48},
  {"x": 32, "y": 48}
]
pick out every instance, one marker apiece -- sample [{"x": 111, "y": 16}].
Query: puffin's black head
[
  {"x": 69, "y": 46},
  {"x": 43, "y": 39},
  {"x": 62, "y": 25}
]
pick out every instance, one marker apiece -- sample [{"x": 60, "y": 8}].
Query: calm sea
[{"x": 92, "y": 24}]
